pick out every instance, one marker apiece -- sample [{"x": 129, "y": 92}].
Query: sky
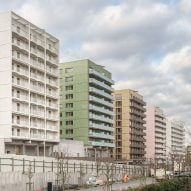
[{"x": 145, "y": 44}]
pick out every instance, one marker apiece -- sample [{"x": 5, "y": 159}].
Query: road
[{"x": 121, "y": 186}]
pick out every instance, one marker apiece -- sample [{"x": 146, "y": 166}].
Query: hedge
[{"x": 176, "y": 184}]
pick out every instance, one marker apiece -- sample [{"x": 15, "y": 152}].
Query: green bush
[{"x": 170, "y": 185}]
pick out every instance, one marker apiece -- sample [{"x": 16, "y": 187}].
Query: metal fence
[{"x": 15, "y": 172}]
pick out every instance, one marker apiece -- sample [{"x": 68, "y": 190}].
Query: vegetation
[{"x": 177, "y": 184}]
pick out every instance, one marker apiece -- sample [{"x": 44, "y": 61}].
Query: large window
[
  {"x": 68, "y": 70},
  {"x": 69, "y": 96},
  {"x": 69, "y": 122},
  {"x": 69, "y": 131},
  {"x": 69, "y": 79},
  {"x": 70, "y": 87},
  {"x": 69, "y": 114},
  {"x": 69, "y": 105}
]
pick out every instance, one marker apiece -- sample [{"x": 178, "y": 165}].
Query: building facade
[
  {"x": 129, "y": 125},
  {"x": 86, "y": 106},
  {"x": 175, "y": 137},
  {"x": 155, "y": 133},
  {"x": 29, "y": 87}
]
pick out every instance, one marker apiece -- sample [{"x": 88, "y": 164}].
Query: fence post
[
  {"x": 34, "y": 165},
  {"x": 43, "y": 165},
  {"x": 23, "y": 165},
  {"x": 12, "y": 164},
  {"x": 52, "y": 166}
]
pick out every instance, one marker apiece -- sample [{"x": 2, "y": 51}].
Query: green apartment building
[{"x": 87, "y": 106}]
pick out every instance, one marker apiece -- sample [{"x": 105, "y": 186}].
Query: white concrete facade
[
  {"x": 175, "y": 137},
  {"x": 29, "y": 87},
  {"x": 70, "y": 148},
  {"x": 155, "y": 133}
]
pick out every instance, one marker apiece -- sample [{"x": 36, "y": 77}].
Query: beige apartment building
[{"x": 129, "y": 125}]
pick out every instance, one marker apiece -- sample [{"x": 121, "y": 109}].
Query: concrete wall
[{"x": 70, "y": 148}]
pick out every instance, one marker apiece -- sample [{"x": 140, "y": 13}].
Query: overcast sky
[{"x": 146, "y": 44}]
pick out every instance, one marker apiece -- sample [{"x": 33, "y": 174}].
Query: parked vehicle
[{"x": 94, "y": 181}]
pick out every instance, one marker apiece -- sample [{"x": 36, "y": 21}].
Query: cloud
[{"x": 145, "y": 44}]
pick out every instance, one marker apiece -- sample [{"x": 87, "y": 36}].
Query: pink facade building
[{"x": 155, "y": 133}]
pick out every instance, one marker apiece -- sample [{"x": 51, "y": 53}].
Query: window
[
  {"x": 69, "y": 105},
  {"x": 18, "y": 132},
  {"x": 70, "y": 122},
  {"x": 69, "y": 131},
  {"x": 69, "y": 79},
  {"x": 18, "y": 55},
  {"x": 60, "y": 114},
  {"x": 69, "y": 114},
  {"x": 60, "y": 123},
  {"x": 69, "y": 96},
  {"x": 70, "y": 87},
  {"x": 60, "y": 132},
  {"x": 68, "y": 70}
]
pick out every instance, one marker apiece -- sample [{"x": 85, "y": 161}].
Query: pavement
[{"x": 122, "y": 186}]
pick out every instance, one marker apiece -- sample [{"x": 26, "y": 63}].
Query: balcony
[
  {"x": 101, "y": 127},
  {"x": 37, "y": 65},
  {"x": 21, "y": 58},
  {"x": 52, "y": 49},
  {"x": 52, "y": 127},
  {"x": 20, "y": 97},
  {"x": 37, "y": 125},
  {"x": 101, "y": 101},
  {"x": 37, "y": 101},
  {"x": 100, "y": 84},
  {"x": 101, "y": 135},
  {"x": 137, "y": 119},
  {"x": 37, "y": 136},
  {"x": 24, "y": 47},
  {"x": 21, "y": 110},
  {"x": 137, "y": 152},
  {"x": 100, "y": 109},
  {"x": 139, "y": 101},
  {"x": 52, "y": 117},
  {"x": 37, "y": 89},
  {"x": 101, "y": 93},
  {"x": 21, "y": 135},
  {"x": 38, "y": 53},
  {"x": 37, "y": 41},
  {"x": 52, "y": 60},
  {"x": 37, "y": 77},
  {"x": 51, "y": 71},
  {"x": 102, "y": 144},
  {"x": 20, "y": 32},
  {"x": 53, "y": 137},
  {"x": 52, "y": 94},
  {"x": 53, "y": 83},
  {"x": 20, "y": 71},
  {"x": 137, "y": 106},
  {"x": 101, "y": 118},
  {"x": 20, "y": 123},
  {"x": 91, "y": 71},
  {"x": 52, "y": 105},
  {"x": 37, "y": 113}
]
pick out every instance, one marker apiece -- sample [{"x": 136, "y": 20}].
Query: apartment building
[
  {"x": 86, "y": 106},
  {"x": 29, "y": 87},
  {"x": 155, "y": 133},
  {"x": 129, "y": 125},
  {"x": 175, "y": 137}
]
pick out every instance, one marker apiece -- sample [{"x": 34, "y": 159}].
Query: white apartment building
[
  {"x": 175, "y": 137},
  {"x": 155, "y": 133},
  {"x": 29, "y": 87}
]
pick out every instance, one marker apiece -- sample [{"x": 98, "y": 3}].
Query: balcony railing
[
  {"x": 21, "y": 32},
  {"x": 101, "y": 118},
  {"x": 37, "y": 64},
  {"x": 101, "y": 135},
  {"x": 102, "y": 144},
  {"x": 101, "y": 101},
  {"x": 20, "y": 71},
  {"x": 101, "y": 127},
  {"x": 101, "y": 93},
  {"x": 100, "y": 109},
  {"x": 91, "y": 71},
  {"x": 101, "y": 84}
]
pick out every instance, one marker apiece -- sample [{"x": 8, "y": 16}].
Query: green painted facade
[{"x": 79, "y": 71}]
